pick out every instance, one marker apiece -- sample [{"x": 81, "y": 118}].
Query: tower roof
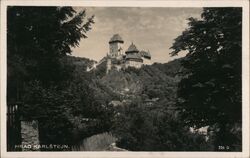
[
  {"x": 116, "y": 38},
  {"x": 145, "y": 54},
  {"x": 132, "y": 48},
  {"x": 134, "y": 56}
]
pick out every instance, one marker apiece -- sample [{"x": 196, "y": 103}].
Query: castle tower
[
  {"x": 133, "y": 57},
  {"x": 146, "y": 57},
  {"x": 115, "y": 46}
]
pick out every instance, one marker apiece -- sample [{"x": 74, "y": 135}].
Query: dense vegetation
[
  {"x": 150, "y": 121},
  {"x": 38, "y": 39},
  {"x": 146, "y": 118},
  {"x": 210, "y": 92}
]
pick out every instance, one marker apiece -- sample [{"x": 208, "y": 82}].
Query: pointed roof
[
  {"x": 116, "y": 38},
  {"x": 132, "y": 49}
]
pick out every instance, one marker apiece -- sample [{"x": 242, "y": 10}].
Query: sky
[{"x": 152, "y": 29}]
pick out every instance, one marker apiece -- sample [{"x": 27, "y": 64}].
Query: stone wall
[{"x": 30, "y": 135}]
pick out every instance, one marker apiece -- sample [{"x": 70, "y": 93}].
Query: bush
[
  {"x": 58, "y": 107},
  {"x": 140, "y": 129}
]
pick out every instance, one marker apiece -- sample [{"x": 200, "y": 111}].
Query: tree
[
  {"x": 38, "y": 41},
  {"x": 140, "y": 129},
  {"x": 210, "y": 90},
  {"x": 61, "y": 111},
  {"x": 37, "y": 38}
]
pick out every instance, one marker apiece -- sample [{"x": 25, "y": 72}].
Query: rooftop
[
  {"x": 116, "y": 38},
  {"x": 132, "y": 48},
  {"x": 134, "y": 56}
]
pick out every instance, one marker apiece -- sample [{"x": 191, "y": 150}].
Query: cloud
[{"x": 152, "y": 29}]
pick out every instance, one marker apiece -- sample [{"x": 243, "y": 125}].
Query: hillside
[
  {"x": 154, "y": 85},
  {"x": 144, "y": 103},
  {"x": 155, "y": 80},
  {"x": 151, "y": 83},
  {"x": 137, "y": 106},
  {"x": 149, "y": 80}
]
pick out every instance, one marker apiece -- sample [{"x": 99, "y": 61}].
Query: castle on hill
[
  {"x": 118, "y": 59},
  {"x": 132, "y": 57}
]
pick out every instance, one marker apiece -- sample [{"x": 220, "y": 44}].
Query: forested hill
[
  {"x": 154, "y": 85},
  {"x": 132, "y": 104},
  {"x": 157, "y": 81},
  {"x": 138, "y": 106}
]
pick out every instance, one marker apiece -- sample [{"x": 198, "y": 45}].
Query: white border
[{"x": 140, "y": 3}]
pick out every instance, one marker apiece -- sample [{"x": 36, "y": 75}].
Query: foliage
[
  {"x": 210, "y": 91},
  {"x": 37, "y": 38},
  {"x": 54, "y": 127},
  {"x": 66, "y": 115},
  {"x": 149, "y": 120},
  {"x": 140, "y": 129},
  {"x": 38, "y": 41}
]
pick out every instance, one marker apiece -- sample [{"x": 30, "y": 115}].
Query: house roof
[
  {"x": 116, "y": 38},
  {"x": 132, "y": 48}
]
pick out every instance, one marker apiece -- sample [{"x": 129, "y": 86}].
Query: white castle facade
[{"x": 119, "y": 59}]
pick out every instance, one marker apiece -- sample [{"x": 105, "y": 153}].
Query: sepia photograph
[{"x": 121, "y": 79}]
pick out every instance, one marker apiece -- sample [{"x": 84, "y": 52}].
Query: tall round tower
[{"x": 115, "y": 46}]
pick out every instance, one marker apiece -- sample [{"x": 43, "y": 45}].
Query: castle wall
[
  {"x": 118, "y": 67},
  {"x": 114, "y": 49},
  {"x": 108, "y": 65},
  {"x": 135, "y": 64},
  {"x": 120, "y": 48},
  {"x": 147, "y": 61}
]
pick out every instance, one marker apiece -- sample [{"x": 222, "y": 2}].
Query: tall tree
[
  {"x": 37, "y": 38},
  {"x": 210, "y": 91}
]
